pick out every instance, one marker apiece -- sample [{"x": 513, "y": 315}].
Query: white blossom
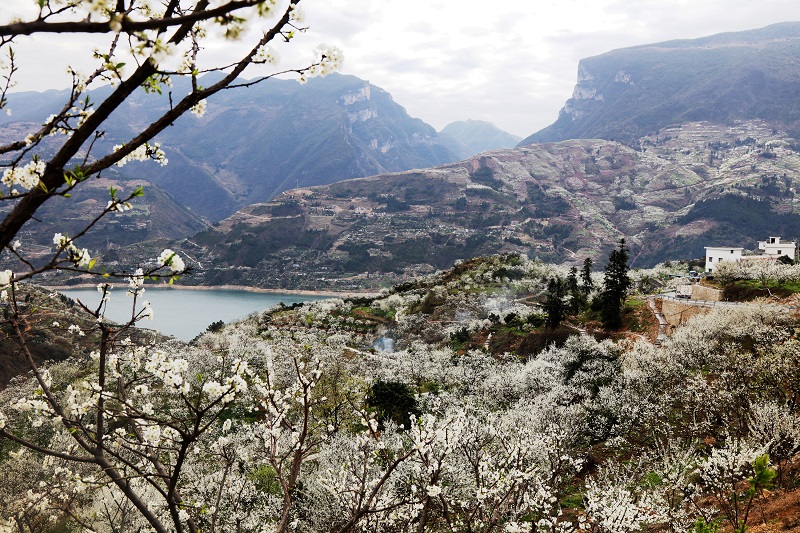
[
  {"x": 26, "y": 177},
  {"x": 172, "y": 260},
  {"x": 199, "y": 109},
  {"x": 143, "y": 152},
  {"x": 147, "y": 311}
]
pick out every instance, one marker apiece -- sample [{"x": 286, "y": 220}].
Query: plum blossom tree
[{"x": 131, "y": 427}]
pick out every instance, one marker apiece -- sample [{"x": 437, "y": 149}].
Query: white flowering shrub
[
  {"x": 656, "y": 488},
  {"x": 468, "y": 468},
  {"x": 718, "y": 367},
  {"x": 613, "y": 506},
  {"x": 775, "y": 427},
  {"x": 723, "y": 472},
  {"x": 361, "y": 483},
  {"x": 175, "y": 431},
  {"x": 762, "y": 270}
]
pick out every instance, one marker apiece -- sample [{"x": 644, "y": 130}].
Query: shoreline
[{"x": 245, "y": 288}]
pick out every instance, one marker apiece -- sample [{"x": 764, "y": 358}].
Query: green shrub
[{"x": 393, "y": 401}]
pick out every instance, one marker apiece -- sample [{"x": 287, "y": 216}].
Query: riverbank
[{"x": 162, "y": 287}]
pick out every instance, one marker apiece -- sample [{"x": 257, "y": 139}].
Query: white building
[
  {"x": 775, "y": 247},
  {"x": 718, "y": 254},
  {"x": 771, "y": 249}
]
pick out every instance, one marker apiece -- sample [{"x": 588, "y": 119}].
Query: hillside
[
  {"x": 447, "y": 400},
  {"x": 688, "y": 187},
  {"x": 154, "y": 217},
  {"x": 254, "y": 143},
  {"x": 631, "y": 92}
]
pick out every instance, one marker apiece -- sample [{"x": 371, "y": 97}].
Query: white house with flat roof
[
  {"x": 771, "y": 249},
  {"x": 775, "y": 247},
  {"x": 718, "y": 254}
]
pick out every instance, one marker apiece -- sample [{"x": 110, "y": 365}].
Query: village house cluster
[{"x": 769, "y": 250}]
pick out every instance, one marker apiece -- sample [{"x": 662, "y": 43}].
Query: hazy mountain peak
[
  {"x": 470, "y": 137},
  {"x": 254, "y": 143}
]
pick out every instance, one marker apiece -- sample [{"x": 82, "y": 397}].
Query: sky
[{"x": 512, "y": 62}]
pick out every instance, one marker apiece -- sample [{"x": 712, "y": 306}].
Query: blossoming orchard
[{"x": 474, "y": 413}]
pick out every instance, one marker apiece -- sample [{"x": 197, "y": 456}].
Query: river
[{"x": 187, "y": 313}]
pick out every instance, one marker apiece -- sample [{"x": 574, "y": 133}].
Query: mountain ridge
[
  {"x": 627, "y": 93},
  {"x": 561, "y": 202},
  {"x": 466, "y": 138},
  {"x": 254, "y": 143}
]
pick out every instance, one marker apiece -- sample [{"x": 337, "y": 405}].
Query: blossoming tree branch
[
  {"x": 125, "y": 428},
  {"x": 143, "y": 35}
]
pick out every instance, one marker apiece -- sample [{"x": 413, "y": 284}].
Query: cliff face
[{"x": 628, "y": 93}]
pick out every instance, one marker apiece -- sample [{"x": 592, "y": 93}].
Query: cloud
[{"x": 512, "y": 63}]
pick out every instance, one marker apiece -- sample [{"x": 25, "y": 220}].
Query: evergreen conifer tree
[
  {"x": 586, "y": 275},
  {"x": 577, "y": 298},
  {"x": 615, "y": 287},
  {"x": 554, "y": 304}
]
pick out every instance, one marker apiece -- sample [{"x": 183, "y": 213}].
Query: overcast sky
[{"x": 511, "y": 62}]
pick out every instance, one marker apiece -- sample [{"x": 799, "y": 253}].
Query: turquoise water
[{"x": 184, "y": 313}]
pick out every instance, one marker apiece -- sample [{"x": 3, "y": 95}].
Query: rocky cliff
[{"x": 628, "y": 93}]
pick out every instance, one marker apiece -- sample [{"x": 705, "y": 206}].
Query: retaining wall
[
  {"x": 701, "y": 292},
  {"x": 677, "y": 313}
]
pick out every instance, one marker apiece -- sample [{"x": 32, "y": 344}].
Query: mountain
[
  {"x": 466, "y": 138},
  {"x": 690, "y": 186},
  {"x": 155, "y": 217},
  {"x": 254, "y": 143},
  {"x": 631, "y": 92}
]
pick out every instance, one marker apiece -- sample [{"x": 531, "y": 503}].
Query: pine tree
[
  {"x": 577, "y": 298},
  {"x": 586, "y": 275},
  {"x": 554, "y": 304},
  {"x": 615, "y": 287}
]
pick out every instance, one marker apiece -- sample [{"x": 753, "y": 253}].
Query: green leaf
[{"x": 764, "y": 474}]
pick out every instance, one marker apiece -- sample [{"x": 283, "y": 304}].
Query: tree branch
[{"x": 126, "y": 25}]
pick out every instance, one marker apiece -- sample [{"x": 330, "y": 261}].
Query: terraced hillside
[{"x": 684, "y": 188}]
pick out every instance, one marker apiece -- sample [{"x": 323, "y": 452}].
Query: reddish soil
[{"x": 782, "y": 513}]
